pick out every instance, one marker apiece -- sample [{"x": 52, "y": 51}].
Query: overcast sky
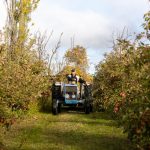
[{"x": 90, "y": 22}]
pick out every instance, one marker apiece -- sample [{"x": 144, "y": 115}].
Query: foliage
[
  {"x": 77, "y": 57},
  {"x": 122, "y": 85},
  {"x": 44, "y": 101},
  {"x": 23, "y": 76},
  {"x": 147, "y": 21}
]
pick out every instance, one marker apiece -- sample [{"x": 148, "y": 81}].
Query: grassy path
[{"x": 67, "y": 131}]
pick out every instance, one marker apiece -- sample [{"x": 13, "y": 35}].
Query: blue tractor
[{"x": 71, "y": 95}]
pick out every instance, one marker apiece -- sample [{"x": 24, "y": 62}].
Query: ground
[{"x": 67, "y": 131}]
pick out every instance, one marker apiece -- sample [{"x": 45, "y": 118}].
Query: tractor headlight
[
  {"x": 73, "y": 96},
  {"x": 66, "y": 95},
  {"x": 73, "y": 82}
]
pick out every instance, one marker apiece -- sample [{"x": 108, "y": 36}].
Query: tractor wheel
[
  {"x": 55, "y": 111},
  {"x": 91, "y": 108},
  {"x": 59, "y": 108},
  {"x": 54, "y": 108},
  {"x": 87, "y": 109}
]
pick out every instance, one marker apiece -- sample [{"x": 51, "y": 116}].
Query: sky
[{"x": 90, "y": 22}]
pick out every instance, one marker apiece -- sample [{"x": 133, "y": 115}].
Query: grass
[{"x": 67, "y": 131}]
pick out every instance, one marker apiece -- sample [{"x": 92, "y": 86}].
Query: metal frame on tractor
[{"x": 82, "y": 97}]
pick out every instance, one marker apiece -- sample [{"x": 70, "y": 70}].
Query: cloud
[
  {"x": 91, "y": 23},
  {"x": 2, "y": 14},
  {"x": 91, "y": 27},
  {"x": 88, "y": 28}
]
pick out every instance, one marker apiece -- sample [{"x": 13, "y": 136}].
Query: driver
[{"x": 73, "y": 78}]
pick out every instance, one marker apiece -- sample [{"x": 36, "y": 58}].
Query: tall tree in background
[
  {"x": 17, "y": 31},
  {"x": 77, "y": 57}
]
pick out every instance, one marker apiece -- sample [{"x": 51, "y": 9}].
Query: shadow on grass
[
  {"x": 84, "y": 122},
  {"x": 49, "y": 139},
  {"x": 87, "y": 141},
  {"x": 96, "y": 118},
  {"x": 40, "y": 135},
  {"x": 97, "y": 115}
]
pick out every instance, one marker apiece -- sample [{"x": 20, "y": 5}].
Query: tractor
[{"x": 71, "y": 95}]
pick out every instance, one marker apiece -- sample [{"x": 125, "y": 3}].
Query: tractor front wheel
[
  {"x": 87, "y": 109},
  {"x": 54, "y": 107},
  {"x": 59, "y": 108}
]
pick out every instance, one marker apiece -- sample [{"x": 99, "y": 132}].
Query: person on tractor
[{"x": 74, "y": 79}]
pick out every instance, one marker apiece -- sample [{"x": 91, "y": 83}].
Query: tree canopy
[
  {"x": 122, "y": 85},
  {"x": 77, "y": 57}
]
